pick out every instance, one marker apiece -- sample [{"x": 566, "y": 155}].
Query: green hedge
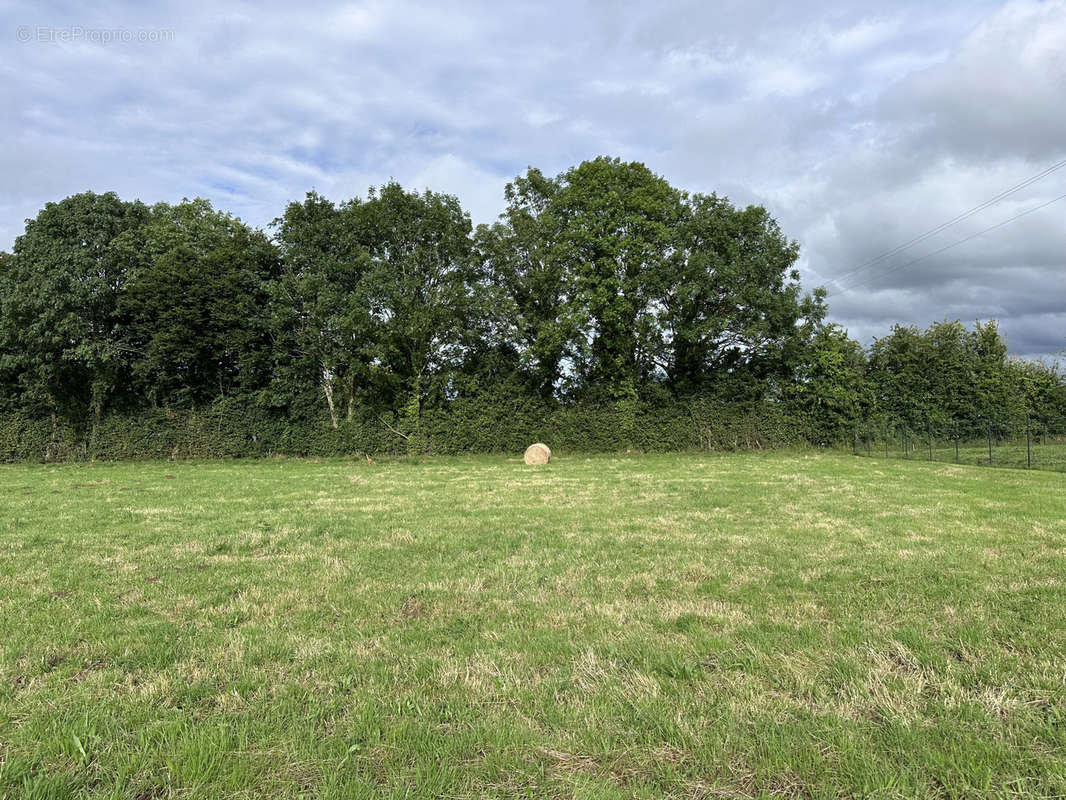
[{"x": 234, "y": 429}]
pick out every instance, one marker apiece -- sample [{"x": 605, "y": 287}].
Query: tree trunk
[
  {"x": 327, "y": 387},
  {"x": 349, "y": 385}
]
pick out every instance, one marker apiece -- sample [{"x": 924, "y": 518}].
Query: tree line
[{"x": 602, "y": 287}]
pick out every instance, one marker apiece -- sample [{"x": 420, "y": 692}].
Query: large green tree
[
  {"x": 194, "y": 307},
  {"x": 947, "y": 377},
  {"x": 418, "y": 286},
  {"x": 324, "y": 332},
  {"x": 998, "y": 397},
  {"x": 1042, "y": 390},
  {"x": 900, "y": 373},
  {"x": 732, "y": 314},
  {"x": 616, "y": 279},
  {"x": 830, "y": 388},
  {"x": 531, "y": 322},
  {"x": 60, "y": 324},
  {"x": 616, "y": 237}
]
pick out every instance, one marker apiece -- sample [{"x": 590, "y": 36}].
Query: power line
[
  {"x": 953, "y": 244},
  {"x": 953, "y": 221}
]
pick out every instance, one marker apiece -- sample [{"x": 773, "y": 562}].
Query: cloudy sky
[{"x": 859, "y": 125}]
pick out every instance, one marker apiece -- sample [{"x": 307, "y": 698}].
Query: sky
[{"x": 859, "y": 125}]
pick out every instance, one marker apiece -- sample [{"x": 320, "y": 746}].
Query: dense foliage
[{"x": 604, "y": 310}]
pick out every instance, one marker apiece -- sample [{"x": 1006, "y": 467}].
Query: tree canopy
[{"x": 603, "y": 286}]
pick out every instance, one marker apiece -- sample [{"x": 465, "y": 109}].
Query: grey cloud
[
  {"x": 859, "y": 125},
  {"x": 1001, "y": 94}
]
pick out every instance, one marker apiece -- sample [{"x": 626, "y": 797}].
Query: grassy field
[
  {"x": 768, "y": 625},
  {"x": 1012, "y": 454}
]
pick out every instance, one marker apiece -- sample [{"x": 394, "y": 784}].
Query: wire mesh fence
[{"x": 1032, "y": 442}]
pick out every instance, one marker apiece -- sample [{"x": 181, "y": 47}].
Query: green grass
[{"x": 774, "y": 625}]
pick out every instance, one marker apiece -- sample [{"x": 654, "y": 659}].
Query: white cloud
[
  {"x": 858, "y": 124},
  {"x": 480, "y": 191}
]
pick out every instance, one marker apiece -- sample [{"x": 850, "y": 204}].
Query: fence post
[
  {"x": 884, "y": 433},
  {"x": 955, "y": 425},
  {"x": 929, "y": 433},
  {"x": 988, "y": 427},
  {"x": 867, "y": 439}
]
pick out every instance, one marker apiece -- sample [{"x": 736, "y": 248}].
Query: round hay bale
[{"x": 537, "y": 454}]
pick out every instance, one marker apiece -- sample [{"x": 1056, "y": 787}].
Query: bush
[{"x": 235, "y": 429}]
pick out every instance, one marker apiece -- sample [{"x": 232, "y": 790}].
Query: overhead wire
[
  {"x": 949, "y": 223},
  {"x": 861, "y": 284}
]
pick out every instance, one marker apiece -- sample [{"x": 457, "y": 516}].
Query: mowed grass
[{"x": 766, "y": 625}]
